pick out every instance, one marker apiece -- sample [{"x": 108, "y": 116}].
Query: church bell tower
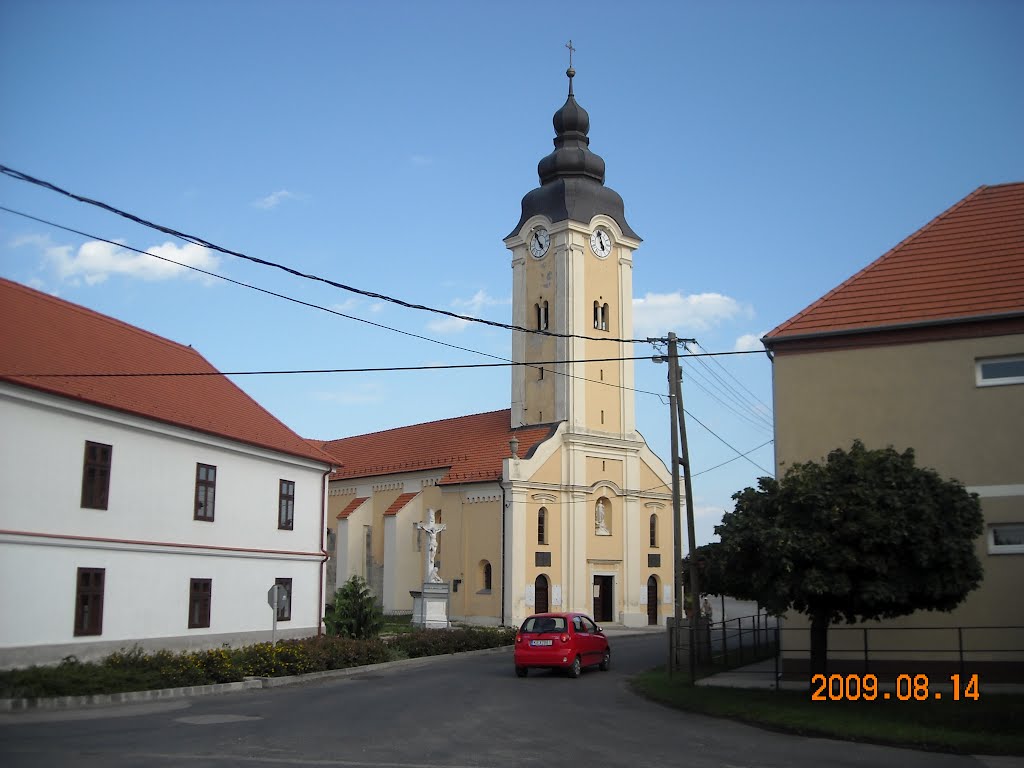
[{"x": 572, "y": 265}]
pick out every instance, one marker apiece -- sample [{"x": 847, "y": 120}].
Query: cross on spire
[{"x": 570, "y": 72}]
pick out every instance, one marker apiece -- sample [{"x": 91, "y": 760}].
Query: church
[{"x": 555, "y": 503}]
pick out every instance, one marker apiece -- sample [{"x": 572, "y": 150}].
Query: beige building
[
  {"x": 555, "y": 503},
  {"x": 924, "y": 349}
]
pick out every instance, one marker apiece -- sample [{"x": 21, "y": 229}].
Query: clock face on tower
[
  {"x": 540, "y": 241},
  {"x": 601, "y": 243}
]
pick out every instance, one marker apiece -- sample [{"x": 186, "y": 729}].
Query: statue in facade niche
[
  {"x": 432, "y": 529},
  {"x": 599, "y": 524}
]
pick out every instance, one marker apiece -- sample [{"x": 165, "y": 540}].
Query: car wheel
[
  {"x": 606, "y": 661},
  {"x": 576, "y": 668},
  {"x": 521, "y": 671}
]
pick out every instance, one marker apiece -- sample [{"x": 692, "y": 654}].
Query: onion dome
[{"x": 572, "y": 176}]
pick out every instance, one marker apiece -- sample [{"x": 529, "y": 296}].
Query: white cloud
[
  {"x": 447, "y": 325},
  {"x": 663, "y": 312},
  {"x": 363, "y": 395},
  {"x": 749, "y": 342},
  {"x": 479, "y": 300},
  {"x": 275, "y": 199},
  {"x": 708, "y": 511},
  {"x": 97, "y": 260},
  {"x": 471, "y": 307}
]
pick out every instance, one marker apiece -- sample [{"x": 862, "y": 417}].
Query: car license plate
[{"x": 540, "y": 642}]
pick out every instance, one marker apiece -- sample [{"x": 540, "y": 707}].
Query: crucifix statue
[{"x": 432, "y": 529}]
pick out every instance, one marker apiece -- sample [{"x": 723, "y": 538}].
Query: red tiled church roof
[
  {"x": 966, "y": 263},
  {"x": 397, "y": 504},
  {"x": 472, "y": 448},
  {"x": 352, "y": 506},
  {"x": 41, "y": 334}
]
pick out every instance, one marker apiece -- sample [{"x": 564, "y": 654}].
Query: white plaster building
[{"x": 155, "y": 510}]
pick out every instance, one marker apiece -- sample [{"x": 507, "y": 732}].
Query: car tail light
[
  {"x": 519, "y": 638},
  {"x": 565, "y": 638}
]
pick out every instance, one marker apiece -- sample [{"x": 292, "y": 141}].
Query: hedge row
[{"x": 136, "y": 670}]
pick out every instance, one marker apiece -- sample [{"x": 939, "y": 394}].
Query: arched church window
[
  {"x": 542, "y": 315},
  {"x": 604, "y": 317},
  {"x": 542, "y": 526},
  {"x": 485, "y": 575},
  {"x": 597, "y": 315},
  {"x": 654, "y": 530}
]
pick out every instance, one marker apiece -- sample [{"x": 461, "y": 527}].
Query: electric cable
[{"x": 196, "y": 240}]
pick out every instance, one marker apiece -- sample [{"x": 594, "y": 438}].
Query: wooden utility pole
[
  {"x": 677, "y": 536},
  {"x": 681, "y": 458}
]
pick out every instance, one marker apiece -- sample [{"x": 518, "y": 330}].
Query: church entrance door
[
  {"x": 603, "y": 598},
  {"x": 540, "y": 594},
  {"x": 652, "y": 601}
]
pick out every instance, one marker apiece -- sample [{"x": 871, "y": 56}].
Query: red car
[{"x": 569, "y": 641}]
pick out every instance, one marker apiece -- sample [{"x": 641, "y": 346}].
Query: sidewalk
[{"x": 762, "y": 675}]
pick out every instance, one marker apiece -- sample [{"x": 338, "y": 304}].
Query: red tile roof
[
  {"x": 470, "y": 447},
  {"x": 968, "y": 262},
  {"x": 41, "y": 334},
  {"x": 397, "y": 504},
  {"x": 352, "y": 506}
]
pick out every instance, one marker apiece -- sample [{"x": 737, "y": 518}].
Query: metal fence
[
  {"x": 707, "y": 647},
  {"x": 997, "y": 649}
]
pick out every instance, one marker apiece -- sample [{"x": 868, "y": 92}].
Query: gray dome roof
[{"x": 572, "y": 176}]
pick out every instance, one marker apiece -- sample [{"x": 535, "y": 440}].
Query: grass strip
[{"x": 991, "y": 725}]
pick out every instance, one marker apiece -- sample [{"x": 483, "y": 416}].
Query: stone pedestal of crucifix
[{"x": 430, "y": 605}]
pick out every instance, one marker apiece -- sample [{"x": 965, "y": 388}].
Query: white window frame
[
  {"x": 1003, "y": 549},
  {"x": 1000, "y": 382}
]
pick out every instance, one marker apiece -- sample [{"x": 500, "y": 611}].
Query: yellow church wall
[
  {"x": 472, "y": 536},
  {"x": 540, "y": 387},
  {"x": 381, "y": 500},
  {"x": 603, "y": 395},
  {"x": 599, "y": 468},
  {"x": 550, "y": 471}
]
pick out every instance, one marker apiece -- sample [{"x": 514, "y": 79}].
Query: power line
[
  {"x": 728, "y": 390},
  {"x": 196, "y": 240},
  {"x": 389, "y": 369},
  {"x": 722, "y": 439},
  {"x": 311, "y": 305},
  {"x": 734, "y": 458},
  {"x": 757, "y": 400},
  {"x": 696, "y": 376}
]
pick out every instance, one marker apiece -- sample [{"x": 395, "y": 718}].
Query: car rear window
[{"x": 537, "y": 624}]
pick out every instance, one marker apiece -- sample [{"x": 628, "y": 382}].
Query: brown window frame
[
  {"x": 206, "y": 493},
  {"x": 286, "y": 505},
  {"x": 89, "y": 589},
  {"x": 542, "y": 525},
  {"x": 284, "y": 613},
  {"x": 200, "y": 602},
  {"x": 96, "y": 475},
  {"x": 654, "y": 531}
]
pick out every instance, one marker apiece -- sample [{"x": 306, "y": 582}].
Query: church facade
[{"x": 555, "y": 503}]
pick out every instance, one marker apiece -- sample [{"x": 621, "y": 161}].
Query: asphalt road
[{"x": 452, "y": 712}]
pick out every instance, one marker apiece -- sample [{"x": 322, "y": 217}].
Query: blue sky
[{"x": 765, "y": 152}]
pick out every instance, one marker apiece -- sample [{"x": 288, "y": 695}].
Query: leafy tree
[
  {"x": 711, "y": 573},
  {"x": 865, "y": 535},
  {"x": 355, "y": 612}
]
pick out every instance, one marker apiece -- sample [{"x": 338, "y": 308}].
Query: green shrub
[
  {"x": 434, "y": 642},
  {"x": 134, "y": 669},
  {"x": 354, "y": 612}
]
